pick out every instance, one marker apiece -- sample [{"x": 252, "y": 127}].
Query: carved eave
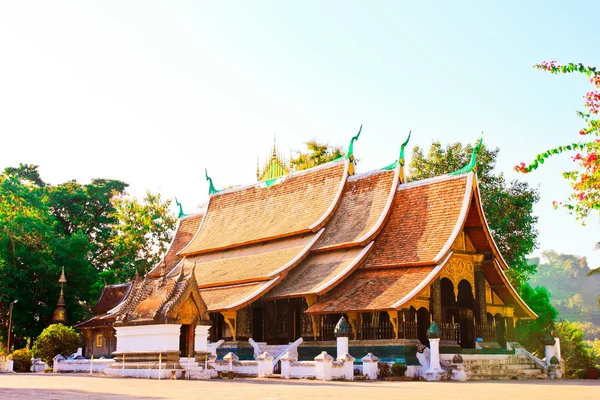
[{"x": 188, "y": 291}]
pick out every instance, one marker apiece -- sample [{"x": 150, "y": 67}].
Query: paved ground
[{"x": 78, "y": 386}]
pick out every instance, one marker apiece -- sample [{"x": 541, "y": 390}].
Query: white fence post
[{"x": 324, "y": 366}]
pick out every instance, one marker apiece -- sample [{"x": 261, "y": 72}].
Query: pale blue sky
[{"x": 153, "y": 92}]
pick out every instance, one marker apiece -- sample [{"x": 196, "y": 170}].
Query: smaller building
[{"x": 98, "y": 332}]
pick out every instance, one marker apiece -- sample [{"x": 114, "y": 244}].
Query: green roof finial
[
  {"x": 181, "y": 213},
  {"x": 211, "y": 187},
  {"x": 351, "y": 147},
  {"x": 472, "y": 165},
  {"x": 401, "y": 157}
]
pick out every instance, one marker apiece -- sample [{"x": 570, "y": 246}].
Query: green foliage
[
  {"x": 574, "y": 294},
  {"x": 318, "y": 153},
  {"x": 398, "y": 369},
  {"x": 578, "y": 358},
  {"x": 142, "y": 234},
  {"x": 22, "y": 360},
  {"x": 530, "y": 333},
  {"x": 56, "y": 339},
  {"x": 508, "y": 207},
  {"x": 585, "y": 179},
  {"x": 383, "y": 370},
  {"x": 92, "y": 230}
]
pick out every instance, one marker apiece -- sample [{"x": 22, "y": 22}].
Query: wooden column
[
  {"x": 479, "y": 277},
  {"x": 436, "y": 301}
]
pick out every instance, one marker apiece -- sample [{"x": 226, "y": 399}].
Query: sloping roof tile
[
  {"x": 223, "y": 298},
  {"x": 186, "y": 229},
  {"x": 111, "y": 296},
  {"x": 424, "y": 217},
  {"x": 370, "y": 290},
  {"x": 250, "y": 263},
  {"x": 318, "y": 272},
  {"x": 301, "y": 203},
  {"x": 361, "y": 210}
]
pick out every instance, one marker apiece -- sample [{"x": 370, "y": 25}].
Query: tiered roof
[{"x": 352, "y": 242}]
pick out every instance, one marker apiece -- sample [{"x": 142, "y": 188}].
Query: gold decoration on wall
[
  {"x": 310, "y": 300},
  {"x": 458, "y": 269},
  {"x": 230, "y": 317},
  {"x": 394, "y": 320},
  {"x": 459, "y": 243}
]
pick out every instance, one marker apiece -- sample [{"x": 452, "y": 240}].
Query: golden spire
[{"x": 63, "y": 278}]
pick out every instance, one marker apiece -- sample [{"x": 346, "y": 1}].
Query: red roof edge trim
[
  {"x": 331, "y": 284},
  {"x": 486, "y": 229},
  {"x": 385, "y": 213},
  {"x": 513, "y": 291},
  {"x": 427, "y": 281},
  {"x": 461, "y": 218},
  {"x": 253, "y": 296},
  {"x": 181, "y": 252},
  {"x": 301, "y": 256},
  {"x": 336, "y": 201}
]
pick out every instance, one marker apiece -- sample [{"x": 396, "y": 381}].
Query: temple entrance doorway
[
  {"x": 423, "y": 322},
  {"x": 257, "y": 324},
  {"x": 465, "y": 314},
  {"x": 185, "y": 340}
]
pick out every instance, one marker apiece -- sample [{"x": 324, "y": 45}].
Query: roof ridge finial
[
  {"x": 181, "y": 213},
  {"x": 472, "y": 165},
  {"x": 211, "y": 187},
  {"x": 401, "y": 162},
  {"x": 350, "y": 155}
]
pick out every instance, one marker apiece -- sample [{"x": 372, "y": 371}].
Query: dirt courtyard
[{"x": 80, "y": 386}]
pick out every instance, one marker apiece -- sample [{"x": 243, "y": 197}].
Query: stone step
[{"x": 500, "y": 368}]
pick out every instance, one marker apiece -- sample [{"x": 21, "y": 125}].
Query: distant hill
[{"x": 574, "y": 294}]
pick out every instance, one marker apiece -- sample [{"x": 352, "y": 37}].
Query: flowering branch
[{"x": 585, "y": 180}]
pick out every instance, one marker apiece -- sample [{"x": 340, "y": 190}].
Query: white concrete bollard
[
  {"x": 342, "y": 346},
  {"x": 265, "y": 365},
  {"x": 201, "y": 338},
  {"x": 348, "y": 368},
  {"x": 370, "y": 366},
  {"x": 286, "y": 364},
  {"x": 324, "y": 366},
  {"x": 435, "y": 371}
]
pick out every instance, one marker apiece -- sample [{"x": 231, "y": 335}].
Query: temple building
[{"x": 286, "y": 257}]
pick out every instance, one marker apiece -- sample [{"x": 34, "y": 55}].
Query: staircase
[
  {"x": 498, "y": 366},
  {"x": 195, "y": 370}
]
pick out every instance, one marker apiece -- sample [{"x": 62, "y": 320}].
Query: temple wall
[{"x": 164, "y": 337}]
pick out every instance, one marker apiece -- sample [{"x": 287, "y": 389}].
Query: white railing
[
  {"x": 290, "y": 348},
  {"x": 540, "y": 363}
]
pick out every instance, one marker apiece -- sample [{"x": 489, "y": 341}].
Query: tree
[
  {"x": 530, "y": 333},
  {"x": 92, "y": 230},
  {"x": 56, "y": 339},
  {"x": 585, "y": 179},
  {"x": 578, "y": 358},
  {"x": 142, "y": 234},
  {"x": 508, "y": 207},
  {"x": 318, "y": 153}
]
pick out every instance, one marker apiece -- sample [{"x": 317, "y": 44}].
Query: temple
[{"x": 286, "y": 257}]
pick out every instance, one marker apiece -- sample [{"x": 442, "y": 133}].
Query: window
[{"x": 99, "y": 340}]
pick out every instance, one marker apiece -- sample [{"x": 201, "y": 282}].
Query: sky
[{"x": 151, "y": 93}]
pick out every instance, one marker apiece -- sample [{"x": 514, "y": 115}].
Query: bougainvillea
[{"x": 585, "y": 178}]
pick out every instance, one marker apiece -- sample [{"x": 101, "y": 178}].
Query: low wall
[
  {"x": 239, "y": 367},
  {"x": 97, "y": 366},
  {"x": 6, "y": 365},
  {"x": 302, "y": 369}
]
